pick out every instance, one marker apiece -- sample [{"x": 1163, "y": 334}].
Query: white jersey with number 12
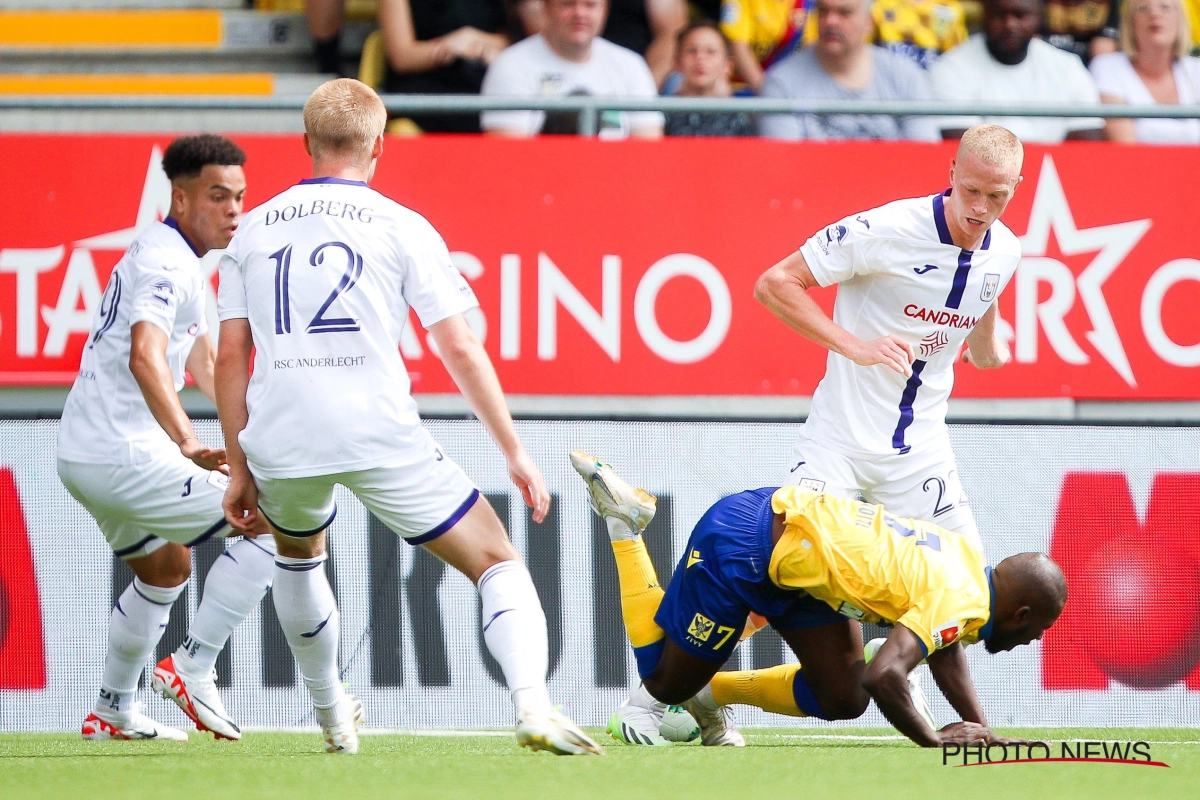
[
  {"x": 326, "y": 272},
  {"x": 898, "y": 272}
]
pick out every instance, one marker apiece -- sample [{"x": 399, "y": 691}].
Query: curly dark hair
[{"x": 187, "y": 155}]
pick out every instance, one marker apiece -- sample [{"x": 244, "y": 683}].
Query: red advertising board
[{"x": 627, "y": 268}]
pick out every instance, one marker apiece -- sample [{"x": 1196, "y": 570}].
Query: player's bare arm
[
  {"x": 148, "y": 363},
  {"x": 473, "y": 373},
  {"x": 231, "y": 378},
  {"x": 784, "y": 290},
  {"x": 200, "y": 364},
  {"x": 985, "y": 349},
  {"x": 886, "y": 680}
]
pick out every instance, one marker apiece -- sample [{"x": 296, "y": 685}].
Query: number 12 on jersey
[{"x": 319, "y": 323}]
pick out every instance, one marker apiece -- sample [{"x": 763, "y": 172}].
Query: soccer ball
[{"x": 678, "y": 725}]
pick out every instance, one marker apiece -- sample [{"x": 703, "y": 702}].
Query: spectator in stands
[
  {"x": 650, "y": 29},
  {"x": 441, "y": 48},
  {"x": 1006, "y": 64},
  {"x": 843, "y": 66},
  {"x": 1152, "y": 67},
  {"x": 1087, "y": 28},
  {"x": 705, "y": 62},
  {"x": 919, "y": 29},
  {"x": 763, "y": 33},
  {"x": 325, "y": 26},
  {"x": 569, "y": 58}
]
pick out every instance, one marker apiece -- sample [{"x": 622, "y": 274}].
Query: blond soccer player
[{"x": 318, "y": 284}]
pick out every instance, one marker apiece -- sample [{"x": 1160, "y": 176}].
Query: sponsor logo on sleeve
[{"x": 946, "y": 634}]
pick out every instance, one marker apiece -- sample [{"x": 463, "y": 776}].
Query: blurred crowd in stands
[{"x": 1062, "y": 52}]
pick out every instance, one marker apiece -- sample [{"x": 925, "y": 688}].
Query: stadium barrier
[
  {"x": 589, "y": 108},
  {"x": 1118, "y": 506},
  {"x": 628, "y": 268}
]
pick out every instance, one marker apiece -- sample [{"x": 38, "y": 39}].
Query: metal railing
[{"x": 589, "y": 108}]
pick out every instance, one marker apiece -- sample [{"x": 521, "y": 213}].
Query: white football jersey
[
  {"x": 106, "y": 419},
  {"x": 326, "y": 272},
  {"x": 898, "y": 272}
]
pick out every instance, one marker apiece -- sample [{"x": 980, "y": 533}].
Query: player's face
[
  {"x": 842, "y": 26},
  {"x": 703, "y": 60},
  {"x": 576, "y": 22},
  {"x": 210, "y": 205},
  {"x": 981, "y": 193},
  {"x": 1016, "y": 632}
]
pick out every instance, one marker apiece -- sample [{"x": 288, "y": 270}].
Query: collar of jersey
[
  {"x": 986, "y": 631},
  {"x": 170, "y": 223},
  {"x": 341, "y": 181},
  {"x": 939, "y": 220}
]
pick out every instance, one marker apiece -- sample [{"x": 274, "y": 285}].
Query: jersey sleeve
[
  {"x": 834, "y": 253},
  {"x": 231, "y": 286},
  {"x": 432, "y": 285},
  {"x": 158, "y": 290},
  {"x": 939, "y": 618}
]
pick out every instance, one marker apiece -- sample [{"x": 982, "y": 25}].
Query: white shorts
[
  {"x": 921, "y": 484},
  {"x": 419, "y": 502},
  {"x": 141, "y": 507}
]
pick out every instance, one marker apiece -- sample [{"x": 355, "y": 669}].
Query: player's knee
[{"x": 847, "y": 705}]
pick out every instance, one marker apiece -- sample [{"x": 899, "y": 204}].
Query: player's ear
[
  {"x": 178, "y": 198},
  {"x": 307, "y": 146},
  {"x": 1022, "y": 615},
  {"x": 377, "y": 149}
]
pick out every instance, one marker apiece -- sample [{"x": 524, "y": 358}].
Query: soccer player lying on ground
[
  {"x": 128, "y": 453},
  {"x": 813, "y": 564},
  {"x": 319, "y": 282}
]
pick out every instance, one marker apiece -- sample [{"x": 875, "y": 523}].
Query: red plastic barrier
[
  {"x": 22, "y": 656},
  {"x": 627, "y": 268}
]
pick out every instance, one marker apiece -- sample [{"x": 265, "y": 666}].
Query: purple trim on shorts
[
  {"x": 301, "y": 534},
  {"x": 124, "y": 551},
  {"x": 208, "y": 534},
  {"x": 450, "y": 522}
]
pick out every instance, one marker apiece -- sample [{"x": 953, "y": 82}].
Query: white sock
[
  {"x": 514, "y": 627},
  {"x": 235, "y": 584},
  {"x": 309, "y": 617},
  {"x": 642, "y": 698},
  {"x": 134, "y": 628},
  {"x": 619, "y": 529}
]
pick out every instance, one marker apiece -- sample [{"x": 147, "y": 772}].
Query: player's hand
[
  {"x": 891, "y": 351},
  {"x": 212, "y": 458},
  {"x": 241, "y": 504},
  {"x": 528, "y": 478},
  {"x": 999, "y": 356},
  {"x": 471, "y": 44},
  {"x": 966, "y": 733}
]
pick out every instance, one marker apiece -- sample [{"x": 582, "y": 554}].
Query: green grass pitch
[{"x": 807, "y": 764}]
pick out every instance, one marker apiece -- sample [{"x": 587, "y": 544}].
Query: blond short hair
[
  {"x": 994, "y": 145},
  {"x": 344, "y": 117},
  {"x": 1183, "y": 38}
]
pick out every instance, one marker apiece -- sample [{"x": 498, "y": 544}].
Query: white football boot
[
  {"x": 554, "y": 732},
  {"x": 196, "y": 695},
  {"x": 611, "y": 496},
  {"x": 716, "y": 723},
  {"x": 919, "y": 700},
  {"x": 128, "y": 725},
  {"x": 638, "y": 719},
  {"x": 339, "y": 725}
]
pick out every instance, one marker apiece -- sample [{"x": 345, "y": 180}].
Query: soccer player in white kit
[
  {"x": 916, "y": 278},
  {"x": 128, "y": 452},
  {"x": 319, "y": 281}
]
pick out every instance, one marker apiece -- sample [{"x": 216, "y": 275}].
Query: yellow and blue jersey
[
  {"x": 919, "y": 29},
  {"x": 869, "y": 565}
]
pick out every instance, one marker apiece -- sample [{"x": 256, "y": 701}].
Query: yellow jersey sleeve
[
  {"x": 942, "y": 617},
  {"x": 737, "y": 23}
]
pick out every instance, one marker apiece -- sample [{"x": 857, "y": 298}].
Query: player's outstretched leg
[
  {"x": 137, "y": 623},
  {"x": 514, "y": 627},
  {"x": 308, "y": 614},
  {"x": 234, "y": 587}
]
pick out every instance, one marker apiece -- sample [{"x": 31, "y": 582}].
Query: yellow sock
[
  {"x": 768, "y": 689},
  {"x": 640, "y": 592}
]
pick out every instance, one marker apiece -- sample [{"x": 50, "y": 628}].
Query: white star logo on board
[
  {"x": 81, "y": 290},
  {"x": 1111, "y": 243}
]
